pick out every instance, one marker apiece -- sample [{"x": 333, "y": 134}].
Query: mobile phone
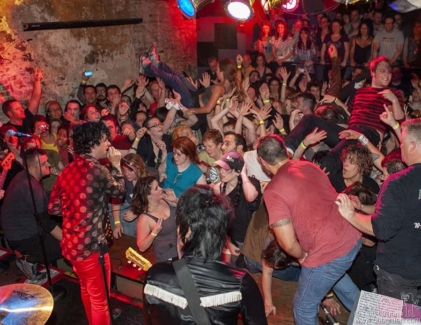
[{"x": 88, "y": 73}]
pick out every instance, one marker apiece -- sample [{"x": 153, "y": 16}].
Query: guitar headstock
[
  {"x": 137, "y": 259},
  {"x": 6, "y": 163}
]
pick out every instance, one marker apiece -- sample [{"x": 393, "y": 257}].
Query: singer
[{"x": 80, "y": 195}]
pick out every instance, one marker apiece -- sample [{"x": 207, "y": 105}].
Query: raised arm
[{"x": 36, "y": 92}]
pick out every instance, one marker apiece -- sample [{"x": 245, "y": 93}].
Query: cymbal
[{"x": 24, "y": 303}]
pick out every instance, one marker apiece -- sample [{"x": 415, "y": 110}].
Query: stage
[{"x": 128, "y": 285}]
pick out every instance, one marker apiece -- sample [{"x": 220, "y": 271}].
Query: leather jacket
[{"x": 224, "y": 291}]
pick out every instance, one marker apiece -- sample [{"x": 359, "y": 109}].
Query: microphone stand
[{"x": 56, "y": 291}]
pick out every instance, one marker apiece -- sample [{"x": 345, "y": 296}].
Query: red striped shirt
[{"x": 367, "y": 105}]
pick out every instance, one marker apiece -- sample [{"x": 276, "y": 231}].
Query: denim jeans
[
  {"x": 175, "y": 80},
  {"x": 315, "y": 282},
  {"x": 129, "y": 227},
  {"x": 395, "y": 286},
  {"x": 290, "y": 273}
]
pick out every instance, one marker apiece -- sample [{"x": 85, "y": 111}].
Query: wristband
[
  {"x": 363, "y": 140},
  {"x": 261, "y": 122},
  {"x": 266, "y": 101},
  {"x": 117, "y": 222},
  {"x": 153, "y": 234},
  {"x": 282, "y": 130},
  {"x": 303, "y": 145},
  {"x": 396, "y": 126}
]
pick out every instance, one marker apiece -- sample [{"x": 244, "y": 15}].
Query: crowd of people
[{"x": 303, "y": 166}]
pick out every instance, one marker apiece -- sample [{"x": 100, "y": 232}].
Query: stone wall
[{"x": 110, "y": 52}]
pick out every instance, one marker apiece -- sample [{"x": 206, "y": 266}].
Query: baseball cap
[{"x": 231, "y": 160}]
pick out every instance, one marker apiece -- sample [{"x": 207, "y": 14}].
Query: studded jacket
[{"x": 224, "y": 292}]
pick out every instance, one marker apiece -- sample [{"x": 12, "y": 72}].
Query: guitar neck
[{"x": 3, "y": 178}]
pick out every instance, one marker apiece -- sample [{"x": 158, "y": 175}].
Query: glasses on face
[
  {"x": 155, "y": 126},
  {"x": 178, "y": 154}
]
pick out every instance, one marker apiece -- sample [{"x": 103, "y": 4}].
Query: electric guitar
[
  {"x": 6, "y": 164},
  {"x": 137, "y": 260}
]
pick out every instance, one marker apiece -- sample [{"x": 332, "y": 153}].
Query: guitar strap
[{"x": 186, "y": 282}]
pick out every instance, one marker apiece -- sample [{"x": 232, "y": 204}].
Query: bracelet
[
  {"x": 84, "y": 82},
  {"x": 227, "y": 99},
  {"x": 282, "y": 130},
  {"x": 265, "y": 101},
  {"x": 363, "y": 140},
  {"x": 336, "y": 98},
  {"x": 261, "y": 122},
  {"x": 136, "y": 139},
  {"x": 135, "y": 149},
  {"x": 330, "y": 296},
  {"x": 239, "y": 67},
  {"x": 397, "y": 125},
  {"x": 117, "y": 222},
  {"x": 303, "y": 145},
  {"x": 218, "y": 102},
  {"x": 284, "y": 84},
  {"x": 153, "y": 234}
]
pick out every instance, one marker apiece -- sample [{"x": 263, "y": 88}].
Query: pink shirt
[{"x": 302, "y": 192}]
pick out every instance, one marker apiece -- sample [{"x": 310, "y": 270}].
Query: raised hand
[
  {"x": 114, "y": 156},
  {"x": 284, "y": 74},
  {"x": 38, "y": 74},
  {"x": 128, "y": 83},
  {"x": 345, "y": 206},
  {"x": 315, "y": 136},
  {"x": 349, "y": 135},
  {"x": 206, "y": 80},
  {"x": 278, "y": 122},
  {"x": 387, "y": 116},
  {"x": 389, "y": 95}
]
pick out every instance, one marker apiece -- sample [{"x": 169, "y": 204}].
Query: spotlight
[
  {"x": 240, "y": 10},
  {"x": 189, "y": 8}
]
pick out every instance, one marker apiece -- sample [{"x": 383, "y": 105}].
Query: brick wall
[{"x": 111, "y": 52}]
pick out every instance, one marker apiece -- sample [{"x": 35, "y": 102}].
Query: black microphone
[{"x": 12, "y": 133}]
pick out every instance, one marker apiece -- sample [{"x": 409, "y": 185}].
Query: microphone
[{"x": 12, "y": 133}]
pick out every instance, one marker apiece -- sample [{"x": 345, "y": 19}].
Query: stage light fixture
[
  {"x": 240, "y": 10},
  {"x": 189, "y": 8}
]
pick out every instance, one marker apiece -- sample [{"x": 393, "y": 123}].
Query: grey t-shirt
[{"x": 388, "y": 42}]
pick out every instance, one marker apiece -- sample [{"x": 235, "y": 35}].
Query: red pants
[{"x": 92, "y": 290}]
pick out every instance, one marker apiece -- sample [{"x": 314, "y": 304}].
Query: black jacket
[{"x": 165, "y": 303}]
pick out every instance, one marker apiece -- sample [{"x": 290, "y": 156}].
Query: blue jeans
[
  {"x": 129, "y": 227},
  {"x": 290, "y": 273},
  {"x": 175, "y": 80},
  {"x": 315, "y": 282}
]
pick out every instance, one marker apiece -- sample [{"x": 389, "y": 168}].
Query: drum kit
[{"x": 24, "y": 303}]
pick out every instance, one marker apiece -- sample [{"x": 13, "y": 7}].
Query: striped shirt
[{"x": 367, "y": 105}]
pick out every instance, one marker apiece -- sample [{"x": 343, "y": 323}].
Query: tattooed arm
[{"x": 285, "y": 236}]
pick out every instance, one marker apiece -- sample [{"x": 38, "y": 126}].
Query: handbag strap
[{"x": 186, "y": 282}]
